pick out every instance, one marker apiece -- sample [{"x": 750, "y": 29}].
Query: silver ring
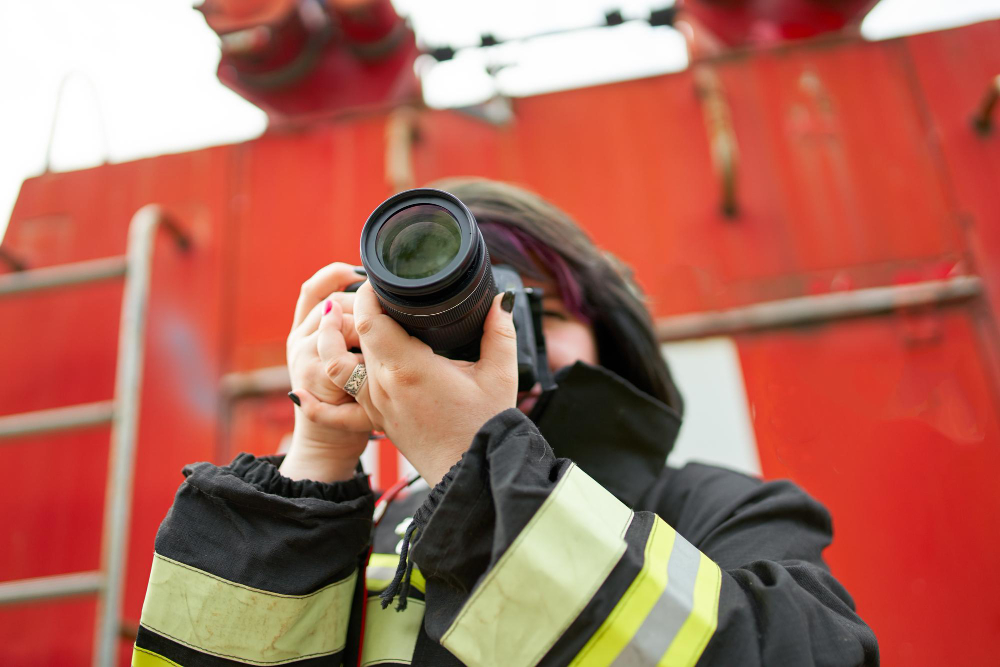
[{"x": 357, "y": 380}]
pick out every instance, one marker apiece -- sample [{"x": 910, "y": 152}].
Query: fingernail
[
  {"x": 295, "y": 399},
  {"x": 360, "y": 270},
  {"x": 327, "y": 307},
  {"x": 507, "y": 302}
]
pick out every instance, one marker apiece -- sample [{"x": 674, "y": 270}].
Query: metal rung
[
  {"x": 57, "y": 419},
  {"x": 268, "y": 380},
  {"x": 44, "y": 588},
  {"x": 62, "y": 275}
]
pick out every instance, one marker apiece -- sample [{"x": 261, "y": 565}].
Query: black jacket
[{"x": 563, "y": 543}]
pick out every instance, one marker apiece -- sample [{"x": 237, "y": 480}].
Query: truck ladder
[{"x": 122, "y": 413}]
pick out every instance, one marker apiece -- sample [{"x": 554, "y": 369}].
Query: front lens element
[{"x": 419, "y": 241}]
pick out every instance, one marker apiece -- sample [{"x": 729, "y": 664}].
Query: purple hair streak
[{"x": 534, "y": 259}]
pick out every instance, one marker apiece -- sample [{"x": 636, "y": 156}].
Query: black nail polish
[
  {"x": 360, "y": 270},
  {"x": 507, "y": 302},
  {"x": 295, "y": 399}
]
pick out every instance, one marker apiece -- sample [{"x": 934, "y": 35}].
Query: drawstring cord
[
  {"x": 380, "y": 507},
  {"x": 400, "y": 584}
]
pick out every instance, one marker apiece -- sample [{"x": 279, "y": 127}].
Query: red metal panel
[
  {"x": 630, "y": 163},
  {"x": 894, "y": 428},
  {"x": 48, "y": 634},
  {"x": 257, "y": 425},
  {"x": 453, "y": 143},
  {"x": 53, "y": 499},
  {"x": 841, "y": 130},
  {"x": 954, "y": 69},
  {"x": 302, "y": 201}
]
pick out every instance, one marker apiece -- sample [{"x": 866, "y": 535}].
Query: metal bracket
[
  {"x": 982, "y": 121},
  {"x": 13, "y": 261},
  {"x": 724, "y": 148}
]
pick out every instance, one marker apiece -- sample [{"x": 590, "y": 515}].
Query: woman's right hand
[{"x": 331, "y": 429}]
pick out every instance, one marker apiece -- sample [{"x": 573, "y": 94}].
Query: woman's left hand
[{"x": 428, "y": 405}]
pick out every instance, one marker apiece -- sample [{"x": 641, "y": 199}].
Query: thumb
[{"x": 498, "y": 349}]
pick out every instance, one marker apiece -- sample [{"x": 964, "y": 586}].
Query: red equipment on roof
[
  {"x": 309, "y": 58},
  {"x": 739, "y": 23}
]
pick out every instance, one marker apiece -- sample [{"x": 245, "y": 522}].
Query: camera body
[
  {"x": 532, "y": 359},
  {"x": 430, "y": 269}
]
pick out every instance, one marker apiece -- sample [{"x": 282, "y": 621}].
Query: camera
[{"x": 429, "y": 266}]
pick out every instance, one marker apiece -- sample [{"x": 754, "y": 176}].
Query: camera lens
[
  {"x": 418, "y": 241},
  {"x": 429, "y": 267}
]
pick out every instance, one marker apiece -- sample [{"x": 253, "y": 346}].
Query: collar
[{"x": 616, "y": 433}]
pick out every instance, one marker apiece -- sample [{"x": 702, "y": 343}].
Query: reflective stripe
[
  {"x": 545, "y": 578},
  {"x": 230, "y": 620},
  {"x": 390, "y": 635},
  {"x": 142, "y": 657},
  {"x": 669, "y": 613},
  {"x": 381, "y": 570},
  {"x": 627, "y": 617},
  {"x": 701, "y": 623}
]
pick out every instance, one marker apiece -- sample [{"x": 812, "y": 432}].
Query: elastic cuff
[
  {"x": 496, "y": 428},
  {"x": 458, "y": 516},
  {"x": 436, "y": 495},
  {"x": 262, "y": 473}
]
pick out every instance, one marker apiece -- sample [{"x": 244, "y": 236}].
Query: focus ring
[{"x": 454, "y": 328}]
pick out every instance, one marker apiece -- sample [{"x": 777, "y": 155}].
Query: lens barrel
[{"x": 429, "y": 267}]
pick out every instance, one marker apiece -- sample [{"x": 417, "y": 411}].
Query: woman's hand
[
  {"x": 331, "y": 429},
  {"x": 428, "y": 405}
]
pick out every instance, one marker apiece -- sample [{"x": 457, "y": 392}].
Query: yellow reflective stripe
[
  {"x": 390, "y": 635},
  {"x": 545, "y": 578},
  {"x": 381, "y": 570},
  {"x": 142, "y": 657},
  {"x": 626, "y": 618},
  {"x": 230, "y": 620},
  {"x": 700, "y": 625}
]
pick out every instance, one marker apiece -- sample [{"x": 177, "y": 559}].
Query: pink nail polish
[{"x": 328, "y": 307}]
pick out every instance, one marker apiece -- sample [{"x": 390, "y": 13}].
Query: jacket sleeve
[
  {"x": 528, "y": 560},
  {"x": 250, "y": 567}
]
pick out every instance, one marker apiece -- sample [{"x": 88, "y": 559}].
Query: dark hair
[{"x": 528, "y": 233}]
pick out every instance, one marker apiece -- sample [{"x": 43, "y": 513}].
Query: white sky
[{"x": 152, "y": 67}]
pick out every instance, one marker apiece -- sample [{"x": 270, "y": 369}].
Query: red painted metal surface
[
  {"x": 894, "y": 428},
  {"x": 856, "y": 168}
]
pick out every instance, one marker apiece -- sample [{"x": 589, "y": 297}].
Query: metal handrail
[
  {"x": 56, "y": 419},
  {"x": 124, "y": 428},
  {"x": 62, "y": 275},
  {"x": 260, "y": 381},
  {"x": 101, "y": 125},
  {"x": 43, "y": 588},
  {"x": 759, "y": 316},
  {"x": 814, "y": 309}
]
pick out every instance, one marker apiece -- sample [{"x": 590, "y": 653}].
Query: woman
[{"x": 554, "y": 537}]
